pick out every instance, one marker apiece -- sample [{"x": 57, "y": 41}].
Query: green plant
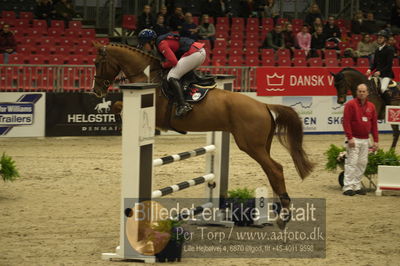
[
  {"x": 171, "y": 226},
  {"x": 8, "y": 170},
  {"x": 242, "y": 194},
  {"x": 333, "y": 156},
  {"x": 381, "y": 158}
]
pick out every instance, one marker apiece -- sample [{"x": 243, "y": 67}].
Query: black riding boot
[
  {"x": 183, "y": 107},
  {"x": 387, "y": 97}
]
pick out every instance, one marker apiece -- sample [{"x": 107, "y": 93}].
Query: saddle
[
  {"x": 195, "y": 87},
  {"x": 394, "y": 90}
]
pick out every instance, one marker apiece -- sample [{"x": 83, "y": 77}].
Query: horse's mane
[
  {"x": 134, "y": 49},
  {"x": 350, "y": 69}
]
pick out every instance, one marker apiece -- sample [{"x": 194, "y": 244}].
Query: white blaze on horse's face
[{"x": 94, "y": 79}]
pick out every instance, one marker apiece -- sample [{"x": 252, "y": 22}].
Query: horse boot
[
  {"x": 387, "y": 97},
  {"x": 183, "y": 107}
]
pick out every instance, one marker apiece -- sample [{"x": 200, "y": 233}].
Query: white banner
[
  {"x": 22, "y": 114},
  {"x": 320, "y": 114}
]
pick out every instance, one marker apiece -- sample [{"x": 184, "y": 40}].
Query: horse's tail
[{"x": 289, "y": 129}]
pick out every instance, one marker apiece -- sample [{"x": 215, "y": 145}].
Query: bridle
[
  {"x": 106, "y": 82},
  {"x": 344, "y": 86}
]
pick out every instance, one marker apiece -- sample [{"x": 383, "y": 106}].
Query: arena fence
[{"x": 61, "y": 78}]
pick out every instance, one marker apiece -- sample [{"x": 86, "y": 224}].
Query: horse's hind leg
[
  {"x": 259, "y": 149},
  {"x": 396, "y": 134}
]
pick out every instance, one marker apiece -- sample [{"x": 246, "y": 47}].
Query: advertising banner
[
  {"x": 392, "y": 115},
  {"x": 22, "y": 114},
  {"x": 81, "y": 114}
]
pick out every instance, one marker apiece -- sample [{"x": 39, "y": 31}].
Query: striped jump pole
[{"x": 183, "y": 155}]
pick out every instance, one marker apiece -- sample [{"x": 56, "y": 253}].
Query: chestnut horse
[
  {"x": 348, "y": 79},
  {"x": 250, "y": 122}
]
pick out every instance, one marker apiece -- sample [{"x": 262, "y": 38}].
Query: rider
[
  {"x": 383, "y": 60},
  {"x": 181, "y": 55}
]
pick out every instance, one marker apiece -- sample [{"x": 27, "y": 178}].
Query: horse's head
[
  {"x": 341, "y": 87},
  {"x": 106, "y": 71}
]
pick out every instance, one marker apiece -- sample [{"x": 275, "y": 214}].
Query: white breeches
[
  {"x": 186, "y": 64},
  {"x": 355, "y": 164},
  {"x": 384, "y": 84}
]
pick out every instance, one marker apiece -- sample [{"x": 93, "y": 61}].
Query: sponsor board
[
  {"x": 319, "y": 114},
  {"x": 22, "y": 114},
  {"x": 81, "y": 114}
]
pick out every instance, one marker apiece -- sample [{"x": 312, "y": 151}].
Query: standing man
[
  {"x": 359, "y": 120},
  {"x": 383, "y": 60},
  {"x": 8, "y": 44}
]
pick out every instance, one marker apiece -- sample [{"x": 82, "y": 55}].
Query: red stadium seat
[
  {"x": 57, "y": 24},
  {"x": 283, "y": 53},
  {"x": 282, "y": 21},
  {"x": 56, "y": 59},
  {"x": 315, "y": 62},
  {"x": 22, "y": 23},
  {"x": 298, "y": 53},
  {"x": 252, "y": 44},
  {"x": 74, "y": 24},
  {"x": 222, "y": 27},
  {"x": 252, "y": 51},
  {"x": 16, "y": 59},
  {"x": 238, "y": 21},
  {"x": 297, "y": 22},
  {"x": 56, "y": 32},
  {"x": 220, "y": 44},
  {"x": 267, "y": 21},
  {"x": 39, "y": 23},
  {"x": 66, "y": 41},
  {"x": 62, "y": 50},
  {"x": 268, "y": 53},
  {"x": 37, "y": 32},
  {"x": 88, "y": 33},
  {"x": 237, "y": 44},
  {"x": 362, "y": 62},
  {"x": 76, "y": 60},
  {"x": 237, "y": 36},
  {"x": 26, "y": 15},
  {"x": 252, "y": 21},
  {"x": 235, "y": 60},
  {"x": 239, "y": 28},
  {"x": 219, "y": 60},
  {"x": 129, "y": 22},
  {"x": 36, "y": 59},
  {"x": 8, "y": 14},
  {"x": 75, "y": 33},
  {"x": 331, "y": 62},
  {"x": 44, "y": 50},
  {"x": 268, "y": 61},
  {"x": 347, "y": 62},
  {"x": 252, "y": 61},
  {"x": 219, "y": 52},
  {"x": 222, "y": 20},
  {"x": 253, "y": 37},
  {"x": 284, "y": 61},
  {"x": 236, "y": 52},
  {"x": 299, "y": 62},
  {"x": 330, "y": 54},
  {"x": 222, "y": 35}
]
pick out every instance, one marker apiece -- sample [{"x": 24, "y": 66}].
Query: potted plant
[
  {"x": 173, "y": 250},
  {"x": 241, "y": 203},
  {"x": 8, "y": 169}
]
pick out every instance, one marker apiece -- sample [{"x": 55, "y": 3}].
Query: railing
[{"x": 60, "y": 78}]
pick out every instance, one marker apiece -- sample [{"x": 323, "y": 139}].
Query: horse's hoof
[{"x": 281, "y": 223}]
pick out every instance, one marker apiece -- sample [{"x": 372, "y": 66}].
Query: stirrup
[{"x": 182, "y": 110}]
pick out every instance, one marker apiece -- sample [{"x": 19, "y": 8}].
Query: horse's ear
[{"x": 333, "y": 74}]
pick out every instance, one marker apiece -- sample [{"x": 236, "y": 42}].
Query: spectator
[
  {"x": 369, "y": 26},
  {"x": 212, "y": 8},
  {"x": 247, "y": 8},
  {"x": 288, "y": 37},
  {"x": 318, "y": 39},
  {"x": 224, "y": 7},
  {"x": 317, "y": 23},
  {"x": 189, "y": 28},
  {"x": 395, "y": 19},
  {"x": 271, "y": 10},
  {"x": 359, "y": 120},
  {"x": 331, "y": 30},
  {"x": 160, "y": 28},
  {"x": 44, "y": 10},
  {"x": 145, "y": 20},
  {"x": 366, "y": 48},
  {"x": 304, "y": 39},
  {"x": 164, "y": 12},
  {"x": 392, "y": 42},
  {"x": 64, "y": 10},
  {"x": 314, "y": 12},
  {"x": 274, "y": 39},
  {"x": 177, "y": 19},
  {"x": 191, "y": 7},
  {"x": 207, "y": 30},
  {"x": 8, "y": 44},
  {"x": 357, "y": 22}
]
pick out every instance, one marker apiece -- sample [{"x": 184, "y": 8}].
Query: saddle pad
[{"x": 192, "y": 94}]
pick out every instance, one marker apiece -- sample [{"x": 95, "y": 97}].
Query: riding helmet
[{"x": 146, "y": 36}]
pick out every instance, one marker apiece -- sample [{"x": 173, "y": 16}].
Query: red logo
[{"x": 393, "y": 114}]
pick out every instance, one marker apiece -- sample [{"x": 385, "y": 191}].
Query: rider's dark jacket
[{"x": 383, "y": 60}]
